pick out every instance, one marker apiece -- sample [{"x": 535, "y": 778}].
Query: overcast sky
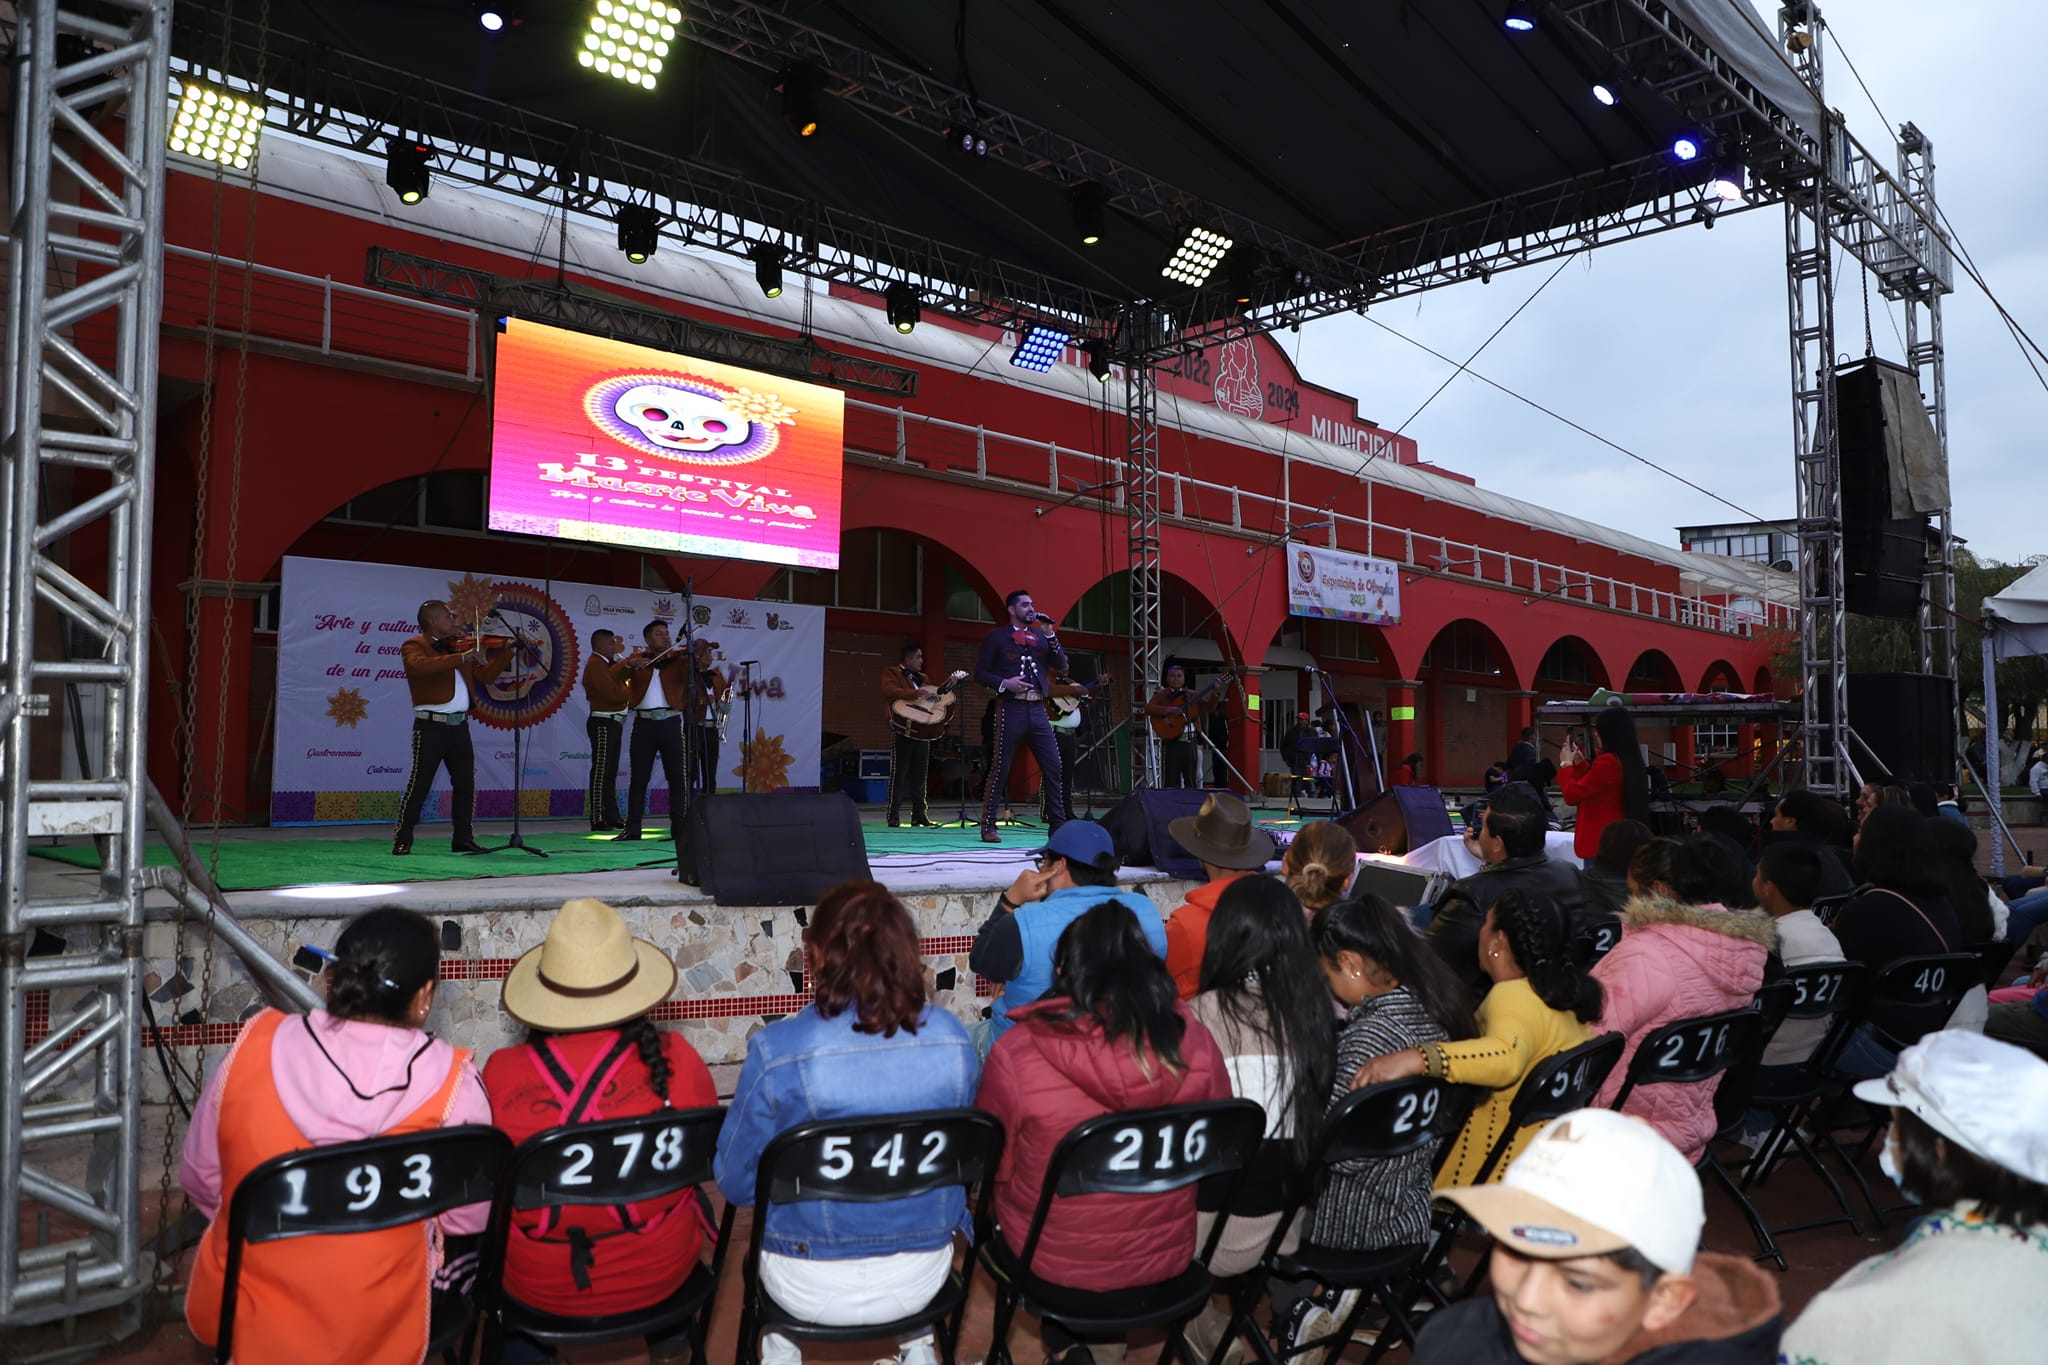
[{"x": 1675, "y": 346}]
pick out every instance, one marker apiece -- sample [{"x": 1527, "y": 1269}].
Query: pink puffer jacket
[{"x": 1677, "y": 961}]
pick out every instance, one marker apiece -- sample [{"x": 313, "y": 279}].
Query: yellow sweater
[{"x": 1516, "y": 1031}]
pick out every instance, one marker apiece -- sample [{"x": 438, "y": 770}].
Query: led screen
[{"x": 625, "y": 445}]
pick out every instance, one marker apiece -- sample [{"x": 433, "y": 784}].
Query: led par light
[
  {"x": 639, "y": 231},
  {"x": 767, "y": 259},
  {"x": 629, "y": 39},
  {"x": 1097, "y": 351},
  {"x": 216, "y": 125},
  {"x": 406, "y": 168},
  {"x": 903, "y": 305},
  {"x": 1040, "y": 347},
  {"x": 1196, "y": 257}
]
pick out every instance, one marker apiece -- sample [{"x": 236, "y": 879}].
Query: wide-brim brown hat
[
  {"x": 589, "y": 973},
  {"x": 1221, "y": 833}
]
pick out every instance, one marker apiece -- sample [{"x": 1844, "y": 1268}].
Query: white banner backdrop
[
  {"x": 344, "y": 715},
  {"x": 1344, "y": 587}
]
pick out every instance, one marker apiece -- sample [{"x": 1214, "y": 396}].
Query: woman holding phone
[{"x": 1612, "y": 785}]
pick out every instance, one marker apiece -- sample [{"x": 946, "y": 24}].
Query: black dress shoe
[
  {"x": 893, "y": 822},
  {"x": 924, "y": 824},
  {"x": 401, "y": 847},
  {"x": 989, "y": 836},
  {"x": 471, "y": 846},
  {"x": 626, "y": 837}
]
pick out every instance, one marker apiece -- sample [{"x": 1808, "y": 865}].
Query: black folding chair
[
  {"x": 1995, "y": 959},
  {"x": 1595, "y": 941},
  {"x": 871, "y": 1161},
  {"x": 348, "y": 1188},
  {"x": 1377, "y": 1123},
  {"x": 1558, "y": 1085},
  {"x": 1141, "y": 1152},
  {"x": 1820, "y": 990},
  {"x": 614, "y": 1162},
  {"x": 1919, "y": 993}
]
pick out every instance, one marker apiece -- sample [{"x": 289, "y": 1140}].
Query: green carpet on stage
[{"x": 262, "y": 864}]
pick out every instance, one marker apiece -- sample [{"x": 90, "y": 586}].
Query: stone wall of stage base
[{"x": 739, "y": 968}]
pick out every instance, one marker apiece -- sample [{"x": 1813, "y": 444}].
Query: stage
[{"x": 739, "y": 966}]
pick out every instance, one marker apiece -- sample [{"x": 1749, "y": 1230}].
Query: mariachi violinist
[
  {"x": 657, "y": 693},
  {"x": 444, "y": 666}
]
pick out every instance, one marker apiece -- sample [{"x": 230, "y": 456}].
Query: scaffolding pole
[
  {"x": 77, "y": 442},
  {"x": 1141, "y": 509}
]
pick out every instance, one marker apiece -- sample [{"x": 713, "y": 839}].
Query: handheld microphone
[{"x": 1047, "y": 619}]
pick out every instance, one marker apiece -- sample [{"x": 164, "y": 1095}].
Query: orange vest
[{"x": 360, "y": 1298}]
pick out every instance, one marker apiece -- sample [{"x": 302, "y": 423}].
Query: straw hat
[
  {"x": 590, "y": 973},
  {"x": 1222, "y": 834}
]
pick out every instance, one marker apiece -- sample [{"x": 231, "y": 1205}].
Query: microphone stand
[
  {"x": 747, "y": 724},
  {"x": 516, "y": 840}
]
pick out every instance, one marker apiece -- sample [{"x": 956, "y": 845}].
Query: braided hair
[
  {"x": 1539, "y": 934},
  {"x": 646, "y": 1039}
]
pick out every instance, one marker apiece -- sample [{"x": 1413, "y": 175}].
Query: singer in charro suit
[
  {"x": 443, "y": 668},
  {"x": 658, "y": 691},
  {"x": 607, "y": 688},
  {"x": 1017, "y": 663}
]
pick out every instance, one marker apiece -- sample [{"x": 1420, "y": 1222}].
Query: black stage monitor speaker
[
  {"x": 1908, "y": 720},
  {"x": 1137, "y": 826},
  {"x": 1883, "y": 556},
  {"x": 1399, "y": 819},
  {"x": 772, "y": 848}
]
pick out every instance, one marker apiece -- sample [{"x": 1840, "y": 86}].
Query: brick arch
[
  {"x": 1653, "y": 671},
  {"x": 1508, "y": 675},
  {"x": 1722, "y": 672},
  {"x": 1763, "y": 681},
  {"x": 1596, "y": 667}
]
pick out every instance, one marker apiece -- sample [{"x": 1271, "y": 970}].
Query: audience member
[
  {"x": 1110, "y": 1036},
  {"x": 1076, "y": 871},
  {"x": 1495, "y": 776},
  {"x": 592, "y": 1054},
  {"x": 359, "y": 1068},
  {"x": 1525, "y": 751},
  {"x": 1969, "y": 1143},
  {"x": 1397, "y": 995},
  {"x": 1605, "y": 874},
  {"x": 1805, "y": 816},
  {"x": 1921, "y": 797},
  {"x": 1786, "y": 878},
  {"x": 1319, "y": 865},
  {"x": 2022, "y": 1019},
  {"x": 1729, "y": 871},
  {"x": 1510, "y": 843},
  {"x": 1898, "y": 911},
  {"x": 1882, "y": 789},
  {"x": 1976, "y": 909},
  {"x": 1223, "y": 839},
  {"x": 2037, "y": 773},
  {"x": 1540, "y": 1004},
  {"x": 1949, "y": 804},
  {"x": 1407, "y": 773},
  {"x": 1608, "y": 787},
  {"x": 1277, "y": 1047},
  {"x": 1595, "y": 1261},
  {"x": 1682, "y": 954},
  {"x": 867, "y": 1044}
]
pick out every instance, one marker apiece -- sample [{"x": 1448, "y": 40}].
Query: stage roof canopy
[{"x": 1352, "y": 142}]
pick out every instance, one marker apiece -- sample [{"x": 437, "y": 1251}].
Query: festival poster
[
  {"x": 344, "y": 714},
  {"x": 606, "y": 441},
  {"x": 1343, "y": 587}
]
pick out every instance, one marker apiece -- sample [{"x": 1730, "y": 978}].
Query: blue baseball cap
[{"x": 1083, "y": 841}]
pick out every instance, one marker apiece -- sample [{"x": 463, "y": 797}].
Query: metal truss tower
[
  {"x": 1141, "y": 509},
  {"x": 85, "y": 229},
  {"x": 1921, "y": 293}
]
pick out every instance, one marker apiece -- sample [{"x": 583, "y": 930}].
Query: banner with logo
[
  {"x": 344, "y": 714},
  {"x": 1343, "y": 587}
]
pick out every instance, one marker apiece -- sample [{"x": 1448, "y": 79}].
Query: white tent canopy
[{"x": 2015, "y": 627}]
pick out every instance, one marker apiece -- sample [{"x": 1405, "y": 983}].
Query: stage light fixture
[
  {"x": 216, "y": 125},
  {"x": 1729, "y": 182},
  {"x": 1686, "y": 147},
  {"x": 1241, "y": 271},
  {"x": 1097, "y": 351},
  {"x": 1091, "y": 209},
  {"x": 629, "y": 39},
  {"x": 799, "y": 85},
  {"x": 1519, "y": 18},
  {"x": 1040, "y": 348},
  {"x": 903, "y": 305},
  {"x": 967, "y": 141},
  {"x": 639, "y": 231},
  {"x": 767, "y": 259},
  {"x": 498, "y": 15},
  {"x": 406, "y": 165},
  {"x": 1196, "y": 257}
]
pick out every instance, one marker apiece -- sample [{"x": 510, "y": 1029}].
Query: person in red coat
[
  {"x": 1611, "y": 786},
  {"x": 593, "y": 1054},
  {"x": 1110, "y": 1036}
]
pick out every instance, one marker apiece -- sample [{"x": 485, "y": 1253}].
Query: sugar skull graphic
[{"x": 687, "y": 419}]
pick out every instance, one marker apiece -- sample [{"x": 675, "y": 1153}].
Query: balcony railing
[{"x": 346, "y": 320}]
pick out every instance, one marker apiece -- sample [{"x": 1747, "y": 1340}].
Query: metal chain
[{"x": 1869, "y": 346}]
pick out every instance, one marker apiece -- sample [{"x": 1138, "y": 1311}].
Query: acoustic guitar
[
  {"x": 924, "y": 716},
  {"x": 1065, "y": 712},
  {"x": 1173, "y": 726}
]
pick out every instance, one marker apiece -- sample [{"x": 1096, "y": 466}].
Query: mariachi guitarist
[
  {"x": 1175, "y": 711},
  {"x": 911, "y": 759},
  {"x": 1065, "y": 706}
]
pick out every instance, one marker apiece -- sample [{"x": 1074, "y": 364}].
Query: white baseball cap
[
  {"x": 1988, "y": 1097},
  {"x": 1594, "y": 1182}
]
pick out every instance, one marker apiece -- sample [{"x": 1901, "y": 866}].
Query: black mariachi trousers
[
  {"x": 652, "y": 739},
  {"x": 607, "y": 737},
  {"x": 435, "y": 744},
  {"x": 909, "y": 766},
  {"x": 1023, "y": 722}
]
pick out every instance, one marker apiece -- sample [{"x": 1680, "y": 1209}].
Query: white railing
[{"x": 352, "y": 321}]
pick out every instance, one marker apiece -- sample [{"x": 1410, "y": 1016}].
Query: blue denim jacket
[{"x": 808, "y": 1067}]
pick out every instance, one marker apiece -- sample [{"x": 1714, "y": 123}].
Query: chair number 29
[{"x": 1413, "y": 1111}]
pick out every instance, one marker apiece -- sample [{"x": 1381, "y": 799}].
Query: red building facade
[{"x": 355, "y": 425}]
